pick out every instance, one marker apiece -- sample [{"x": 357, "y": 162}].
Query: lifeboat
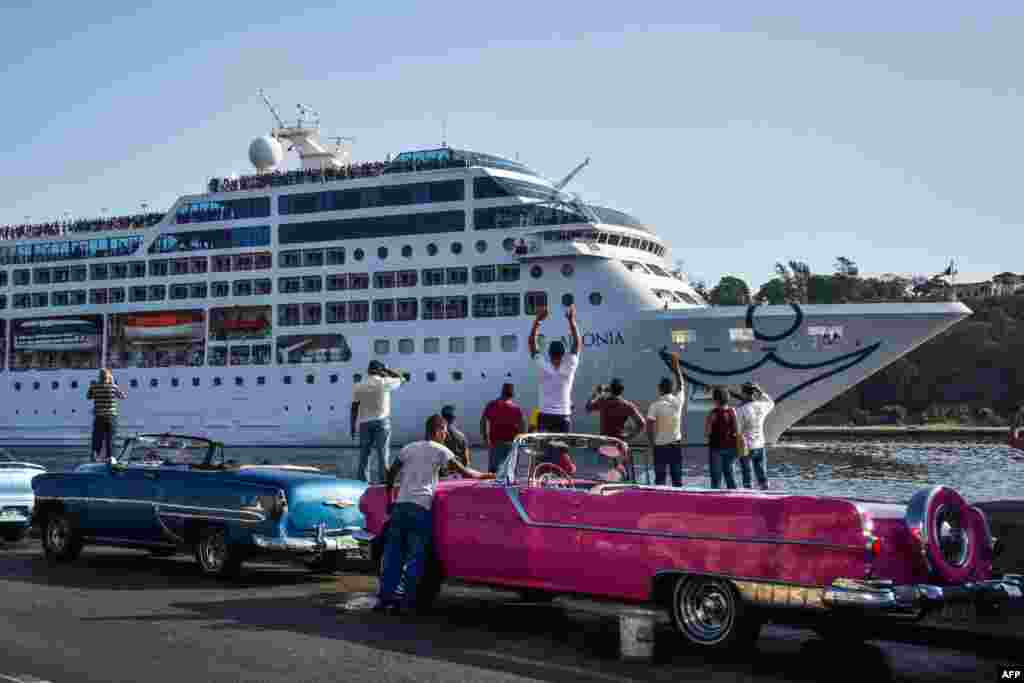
[
  {"x": 56, "y": 334},
  {"x": 164, "y": 326},
  {"x": 255, "y": 325}
]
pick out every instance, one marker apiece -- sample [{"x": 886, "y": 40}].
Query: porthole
[
  {"x": 357, "y": 378},
  {"x": 536, "y": 271},
  {"x": 334, "y": 379},
  {"x": 358, "y": 254},
  {"x": 432, "y": 249},
  {"x": 35, "y": 386},
  {"x": 457, "y": 375},
  {"x": 73, "y": 411},
  {"x": 134, "y": 384},
  {"x": 456, "y": 248},
  {"x": 508, "y": 244},
  {"x": 595, "y": 298},
  {"x": 407, "y": 251},
  {"x": 286, "y": 409},
  {"x": 431, "y": 376},
  {"x": 239, "y": 381},
  {"x": 17, "y": 386},
  {"x": 287, "y": 379},
  {"x": 55, "y": 385},
  {"x": 261, "y": 380},
  {"x": 153, "y": 382},
  {"x": 481, "y": 246},
  {"x": 55, "y": 412},
  {"x": 567, "y": 300},
  {"x": 309, "y": 408},
  {"x": 195, "y": 381},
  {"x": 382, "y": 253},
  {"x": 175, "y": 382},
  {"x": 567, "y": 269},
  {"x": 310, "y": 379},
  {"x": 216, "y": 381},
  {"x": 332, "y": 409},
  {"x": 74, "y": 384}
]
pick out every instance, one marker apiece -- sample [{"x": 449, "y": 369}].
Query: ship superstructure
[{"x": 248, "y": 312}]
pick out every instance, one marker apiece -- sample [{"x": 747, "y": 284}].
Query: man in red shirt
[
  {"x": 616, "y": 411},
  {"x": 501, "y": 422}
]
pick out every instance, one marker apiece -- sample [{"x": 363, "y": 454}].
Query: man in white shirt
[
  {"x": 751, "y": 416},
  {"x": 371, "y": 411},
  {"x": 557, "y": 374},
  {"x": 664, "y": 424},
  {"x": 411, "y": 526}
]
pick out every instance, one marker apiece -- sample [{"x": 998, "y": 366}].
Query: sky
[{"x": 883, "y": 132}]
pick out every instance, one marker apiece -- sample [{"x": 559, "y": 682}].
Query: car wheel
[
  {"x": 61, "y": 542},
  {"x": 14, "y": 535},
  {"x": 709, "y": 613},
  {"x": 216, "y": 556}
]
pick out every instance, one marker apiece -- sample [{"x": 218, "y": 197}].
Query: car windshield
[
  {"x": 167, "y": 450},
  {"x": 581, "y": 458}
]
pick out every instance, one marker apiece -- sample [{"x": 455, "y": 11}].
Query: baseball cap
[{"x": 448, "y": 412}]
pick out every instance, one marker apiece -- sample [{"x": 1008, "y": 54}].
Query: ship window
[
  {"x": 21, "y": 301},
  {"x": 138, "y": 269},
  {"x": 602, "y": 238},
  {"x": 358, "y": 311},
  {"x": 42, "y": 276},
  {"x": 613, "y": 239},
  {"x": 431, "y": 376},
  {"x": 508, "y": 305},
  {"x": 154, "y": 382},
  {"x": 456, "y": 248},
  {"x": 312, "y": 283},
  {"x": 336, "y": 256},
  {"x": 336, "y": 283},
  {"x": 684, "y": 338},
  {"x": 179, "y": 291},
  {"x": 242, "y": 288},
  {"x": 384, "y": 280},
  {"x": 78, "y": 298},
  {"x": 239, "y": 381},
  {"x": 509, "y": 342},
  {"x": 195, "y": 381},
  {"x": 456, "y": 307},
  {"x": 432, "y": 345},
  {"x": 60, "y": 298},
  {"x": 290, "y": 259},
  {"x": 381, "y": 347},
  {"x": 222, "y": 209},
  {"x": 508, "y": 244},
  {"x": 98, "y": 271},
  {"x": 485, "y": 305},
  {"x": 657, "y": 270},
  {"x": 406, "y": 346},
  {"x": 263, "y": 260},
  {"x": 116, "y": 295},
  {"x": 134, "y": 384},
  {"x": 825, "y": 336},
  {"x": 179, "y": 266},
  {"x": 533, "y": 301},
  {"x": 458, "y": 276},
  {"x": 382, "y": 253},
  {"x": 22, "y": 277},
  {"x": 358, "y": 254},
  {"x": 261, "y": 380},
  {"x": 97, "y": 296},
  {"x": 688, "y": 298},
  {"x": 287, "y": 379},
  {"x": 3, "y": 277},
  {"x": 40, "y": 299},
  {"x": 55, "y": 385},
  {"x": 311, "y": 314},
  {"x": 334, "y": 379},
  {"x": 508, "y": 273},
  {"x": 359, "y": 281},
  {"x": 481, "y": 344},
  {"x": 407, "y": 309},
  {"x": 432, "y": 249},
  {"x": 312, "y": 258},
  {"x": 407, "y": 251},
  {"x": 175, "y": 382},
  {"x": 17, "y": 386},
  {"x": 433, "y": 277},
  {"x": 262, "y": 286},
  {"x": 261, "y": 354},
  {"x": 197, "y": 265},
  {"x": 287, "y": 314},
  {"x": 407, "y": 278},
  {"x": 218, "y": 356},
  {"x": 239, "y": 355},
  {"x": 158, "y": 268},
  {"x": 118, "y": 271},
  {"x": 220, "y": 289},
  {"x": 456, "y": 344},
  {"x": 567, "y": 269},
  {"x": 289, "y": 285},
  {"x": 536, "y": 271},
  {"x": 482, "y": 274},
  {"x": 522, "y": 216},
  {"x": 157, "y": 292},
  {"x": 197, "y": 290},
  {"x": 457, "y": 375},
  {"x": 384, "y": 310},
  {"x": 568, "y": 300},
  {"x": 310, "y": 379},
  {"x": 335, "y": 312},
  {"x": 433, "y": 308},
  {"x": 395, "y": 225},
  {"x": 481, "y": 246},
  {"x": 595, "y": 298},
  {"x": 217, "y": 381},
  {"x": 79, "y": 274}
]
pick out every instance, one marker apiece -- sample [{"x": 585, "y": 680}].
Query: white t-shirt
[
  {"x": 374, "y": 397},
  {"x": 667, "y": 413},
  {"x": 751, "y": 417},
  {"x": 421, "y": 463},
  {"x": 556, "y": 383}
]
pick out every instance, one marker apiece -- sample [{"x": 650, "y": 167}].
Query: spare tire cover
[{"x": 951, "y": 539}]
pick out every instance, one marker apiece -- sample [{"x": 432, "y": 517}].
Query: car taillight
[{"x": 876, "y": 547}]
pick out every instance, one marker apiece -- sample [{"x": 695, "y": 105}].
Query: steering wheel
[{"x": 551, "y": 475}]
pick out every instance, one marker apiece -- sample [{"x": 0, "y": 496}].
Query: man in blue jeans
[
  {"x": 751, "y": 416},
  {"x": 411, "y": 528},
  {"x": 371, "y": 410}
]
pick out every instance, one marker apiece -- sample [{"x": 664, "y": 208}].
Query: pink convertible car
[{"x": 573, "y": 514}]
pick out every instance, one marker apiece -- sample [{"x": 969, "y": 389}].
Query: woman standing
[{"x": 720, "y": 430}]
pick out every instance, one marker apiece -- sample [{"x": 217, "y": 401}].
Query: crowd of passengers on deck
[
  {"x": 366, "y": 169},
  {"x": 58, "y": 228}
]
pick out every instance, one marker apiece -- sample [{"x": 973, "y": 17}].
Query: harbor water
[{"x": 886, "y": 470}]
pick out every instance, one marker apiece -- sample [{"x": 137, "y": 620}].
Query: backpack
[{"x": 724, "y": 428}]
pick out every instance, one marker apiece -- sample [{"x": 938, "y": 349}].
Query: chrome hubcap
[
  {"x": 706, "y": 610},
  {"x": 57, "y": 535},
  {"x": 953, "y": 538},
  {"x": 214, "y": 551}
]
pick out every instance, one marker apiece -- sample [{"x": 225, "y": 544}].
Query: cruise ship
[{"x": 247, "y": 313}]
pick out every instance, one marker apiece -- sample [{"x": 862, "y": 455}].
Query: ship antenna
[
  {"x": 273, "y": 109},
  {"x": 444, "y": 131}
]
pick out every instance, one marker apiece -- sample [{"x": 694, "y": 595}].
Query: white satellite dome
[{"x": 265, "y": 153}]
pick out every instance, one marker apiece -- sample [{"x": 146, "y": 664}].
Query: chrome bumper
[
  {"x": 883, "y": 596},
  {"x": 326, "y": 540}
]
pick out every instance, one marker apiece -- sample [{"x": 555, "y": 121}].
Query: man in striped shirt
[{"x": 104, "y": 396}]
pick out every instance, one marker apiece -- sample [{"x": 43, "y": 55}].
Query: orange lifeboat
[{"x": 164, "y": 325}]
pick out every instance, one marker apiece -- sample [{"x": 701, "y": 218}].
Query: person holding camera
[
  {"x": 557, "y": 374},
  {"x": 104, "y": 394},
  {"x": 751, "y": 415},
  {"x": 615, "y": 411},
  {"x": 665, "y": 424},
  {"x": 371, "y": 412}
]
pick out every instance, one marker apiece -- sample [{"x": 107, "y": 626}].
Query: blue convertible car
[{"x": 167, "y": 492}]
